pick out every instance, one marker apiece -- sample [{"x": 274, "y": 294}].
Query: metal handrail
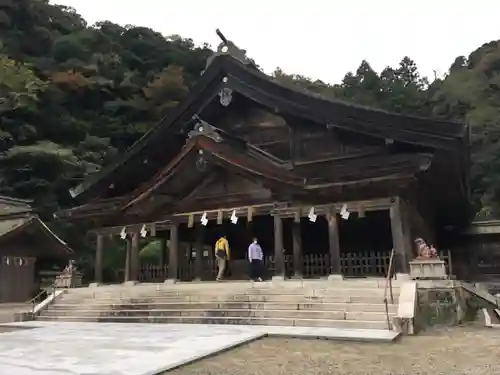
[
  {"x": 35, "y": 298},
  {"x": 388, "y": 287}
]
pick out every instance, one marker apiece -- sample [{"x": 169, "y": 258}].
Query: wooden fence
[{"x": 358, "y": 264}]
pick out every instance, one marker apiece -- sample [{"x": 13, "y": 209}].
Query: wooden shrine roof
[
  {"x": 228, "y": 72},
  {"x": 18, "y": 220},
  {"x": 178, "y": 179},
  {"x": 222, "y": 154}
]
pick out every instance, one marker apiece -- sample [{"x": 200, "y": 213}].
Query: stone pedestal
[
  {"x": 69, "y": 280},
  {"x": 428, "y": 269},
  {"x": 130, "y": 282},
  {"x": 335, "y": 277},
  {"x": 278, "y": 278},
  {"x": 23, "y": 317}
]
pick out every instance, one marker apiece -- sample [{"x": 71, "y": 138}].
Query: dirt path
[{"x": 458, "y": 351}]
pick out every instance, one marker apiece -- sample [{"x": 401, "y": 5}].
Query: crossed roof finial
[{"x": 227, "y": 47}]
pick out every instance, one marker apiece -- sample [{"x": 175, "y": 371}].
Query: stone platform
[
  {"x": 343, "y": 304},
  {"x": 62, "y": 348}
]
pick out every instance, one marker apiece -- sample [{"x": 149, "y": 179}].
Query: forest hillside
[{"x": 73, "y": 96}]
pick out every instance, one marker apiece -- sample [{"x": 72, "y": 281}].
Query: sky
[{"x": 321, "y": 39}]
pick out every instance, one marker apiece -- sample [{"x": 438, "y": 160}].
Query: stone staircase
[{"x": 319, "y": 303}]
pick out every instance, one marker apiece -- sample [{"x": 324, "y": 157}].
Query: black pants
[{"x": 255, "y": 269}]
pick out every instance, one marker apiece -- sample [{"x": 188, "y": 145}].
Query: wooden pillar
[
  {"x": 279, "y": 259},
  {"x": 401, "y": 242},
  {"x": 333, "y": 244},
  {"x": 249, "y": 231},
  {"x": 98, "y": 258},
  {"x": 163, "y": 250},
  {"x": 173, "y": 255},
  {"x": 134, "y": 257},
  {"x": 292, "y": 143},
  {"x": 127, "y": 260},
  {"x": 198, "y": 265},
  {"x": 297, "y": 250}
]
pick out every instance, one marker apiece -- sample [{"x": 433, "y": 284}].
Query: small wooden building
[
  {"x": 328, "y": 187},
  {"x": 23, "y": 239}
]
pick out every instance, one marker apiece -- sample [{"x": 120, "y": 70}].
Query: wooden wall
[{"x": 17, "y": 279}]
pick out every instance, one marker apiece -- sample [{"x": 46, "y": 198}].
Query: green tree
[
  {"x": 19, "y": 85},
  {"x": 74, "y": 96}
]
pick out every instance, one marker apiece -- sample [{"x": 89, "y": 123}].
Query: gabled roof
[
  {"x": 220, "y": 153},
  {"x": 19, "y": 226},
  {"x": 18, "y": 219},
  {"x": 10, "y": 205},
  {"x": 227, "y": 72},
  {"x": 179, "y": 178}
]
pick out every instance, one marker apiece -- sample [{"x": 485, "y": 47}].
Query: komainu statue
[{"x": 425, "y": 251}]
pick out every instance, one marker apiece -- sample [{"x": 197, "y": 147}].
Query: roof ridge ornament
[
  {"x": 227, "y": 47},
  {"x": 204, "y": 128},
  {"x": 225, "y": 96}
]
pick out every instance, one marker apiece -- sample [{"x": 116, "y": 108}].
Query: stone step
[
  {"x": 358, "y": 292},
  {"x": 355, "y": 324},
  {"x": 154, "y": 299},
  {"x": 348, "y": 307},
  {"x": 288, "y": 284},
  {"x": 197, "y": 287},
  {"x": 230, "y": 313}
]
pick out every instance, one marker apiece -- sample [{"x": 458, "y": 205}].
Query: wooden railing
[
  {"x": 359, "y": 264},
  {"x": 36, "y": 299}
]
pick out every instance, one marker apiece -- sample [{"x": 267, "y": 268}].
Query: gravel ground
[
  {"x": 4, "y": 329},
  {"x": 456, "y": 351}
]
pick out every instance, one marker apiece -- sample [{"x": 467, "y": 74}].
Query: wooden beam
[
  {"x": 173, "y": 262},
  {"x": 333, "y": 244},
  {"x": 127, "y": 260},
  {"x": 292, "y": 144},
  {"x": 163, "y": 249},
  {"x": 297, "y": 250},
  {"x": 400, "y": 241},
  {"x": 279, "y": 260},
  {"x": 134, "y": 257},
  {"x": 421, "y": 225},
  {"x": 283, "y": 209},
  {"x": 98, "y": 258},
  {"x": 199, "y": 241},
  {"x": 249, "y": 231}
]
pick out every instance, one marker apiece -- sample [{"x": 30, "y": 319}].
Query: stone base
[
  {"x": 404, "y": 321},
  {"x": 23, "y": 317},
  {"x": 131, "y": 282},
  {"x": 68, "y": 280},
  {"x": 335, "y": 277},
  {"x": 405, "y": 326},
  {"x": 278, "y": 278},
  {"x": 402, "y": 276},
  {"x": 428, "y": 269},
  {"x": 170, "y": 281}
]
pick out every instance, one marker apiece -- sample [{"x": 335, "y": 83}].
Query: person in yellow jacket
[{"x": 222, "y": 255}]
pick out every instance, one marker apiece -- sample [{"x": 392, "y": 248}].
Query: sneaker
[{"x": 259, "y": 279}]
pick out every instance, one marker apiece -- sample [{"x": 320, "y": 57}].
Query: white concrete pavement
[{"x": 63, "y": 348}]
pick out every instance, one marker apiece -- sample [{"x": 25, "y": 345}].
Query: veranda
[{"x": 294, "y": 245}]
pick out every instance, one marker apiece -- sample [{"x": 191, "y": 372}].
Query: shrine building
[
  {"x": 329, "y": 188},
  {"x": 24, "y": 239}
]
